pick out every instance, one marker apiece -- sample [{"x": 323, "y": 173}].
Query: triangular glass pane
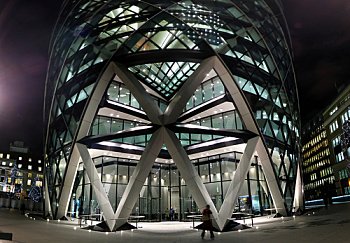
[
  {"x": 275, "y": 128},
  {"x": 229, "y": 53},
  {"x": 278, "y": 102},
  {"x": 261, "y": 122},
  {"x": 148, "y": 46},
  {"x": 68, "y": 137},
  {"x": 268, "y": 130},
  {"x": 187, "y": 41},
  {"x": 249, "y": 88},
  {"x": 176, "y": 44},
  {"x": 240, "y": 81},
  {"x": 164, "y": 77}
]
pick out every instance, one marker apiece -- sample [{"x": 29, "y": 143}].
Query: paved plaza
[{"x": 319, "y": 225}]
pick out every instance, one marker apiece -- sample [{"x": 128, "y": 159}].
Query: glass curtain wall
[{"x": 165, "y": 189}]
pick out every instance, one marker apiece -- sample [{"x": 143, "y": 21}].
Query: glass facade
[
  {"x": 158, "y": 52},
  {"x": 164, "y": 188}
]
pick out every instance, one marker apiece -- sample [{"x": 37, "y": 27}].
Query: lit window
[
  {"x": 7, "y": 156},
  {"x": 19, "y": 166},
  {"x": 39, "y": 161},
  {"x": 10, "y": 164},
  {"x": 3, "y": 163},
  {"x": 29, "y": 167},
  {"x": 333, "y": 126},
  {"x": 39, "y": 168},
  {"x": 1, "y": 156},
  {"x": 333, "y": 111},
  {"x": 339, "y": 157},
  {"x": 29, "y": 182},
  {"x": 20, "y": 158},
  {"x": 30, "y": 160}
]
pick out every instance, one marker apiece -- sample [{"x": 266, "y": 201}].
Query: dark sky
[
  {"x": 319, "y": 31},
  {"x": 321, "y": 44},
  {"x": 25, "y": 29}
]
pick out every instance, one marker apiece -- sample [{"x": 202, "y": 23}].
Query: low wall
[{"x": 15, "y": 204}]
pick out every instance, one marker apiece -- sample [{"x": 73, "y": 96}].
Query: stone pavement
[{"x": 332, "y": 225}]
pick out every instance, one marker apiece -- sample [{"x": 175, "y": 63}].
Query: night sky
[
  {"x": 319, "y": 31},
  {"x": 321, "y": 44}
]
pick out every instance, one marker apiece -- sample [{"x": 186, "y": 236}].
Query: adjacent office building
[
  {"x": 325, "y": 151},
  {"x": 317, "y": 163},
  {"x": 153, "y": 105},
  {"x": 337, "y": 124},
  {"x": 21, "y": 171}
]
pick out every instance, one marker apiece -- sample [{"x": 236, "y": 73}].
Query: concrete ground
[{"x": 332, "y": 225}]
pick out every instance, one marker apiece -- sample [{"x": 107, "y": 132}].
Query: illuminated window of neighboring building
[
  {"x": 39, "y": 161},
  {"x": 29, "y": 167},
  {"x": 333, "y": 126},
  {"x": 30, "y": 160},
  {"x": 20, "y": 158},
  {"x": 333, "y": 111},
  {"x": 10, "y": 164},
  {"x": 343, "y": 174},
  {"x": 345, "y": 117},
  {"x": 18, "y": 181},
  {"x": 3, "y": 163},
  {"x": 39, "y": 183},
  {"x": 19, "y": 166},
  {"x": 327, "y": 152},
  {"x": 336, "y": 141},
  {"x": 29, "y": 175},
  {"x": 39, "y": 168},
  {"x": 7, "y": 156},
  {"x": 339, "y": 157},
  {"x": 29, "y": 182},
  {"x": 1, "y": 156}
]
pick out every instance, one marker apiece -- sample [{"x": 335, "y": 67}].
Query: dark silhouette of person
[
  {"x": 80, "y": 215},
  {"x": 171, "y": 214},
  {"x": 327, "y": 194},
  {"x": 207, "y": 225},
  {"x": 166, "y": 214},
  {"x": 22, "y": 198}
]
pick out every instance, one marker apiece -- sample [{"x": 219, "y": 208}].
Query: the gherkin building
[{"x": 157, "y": 105}]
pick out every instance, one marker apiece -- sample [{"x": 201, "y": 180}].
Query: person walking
[
  {"x": 80, "y": 215},
  {"x": 206, "y": 219},
  {"x": 172, "y": 213},
  {"x": 22, "y": 197}
]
